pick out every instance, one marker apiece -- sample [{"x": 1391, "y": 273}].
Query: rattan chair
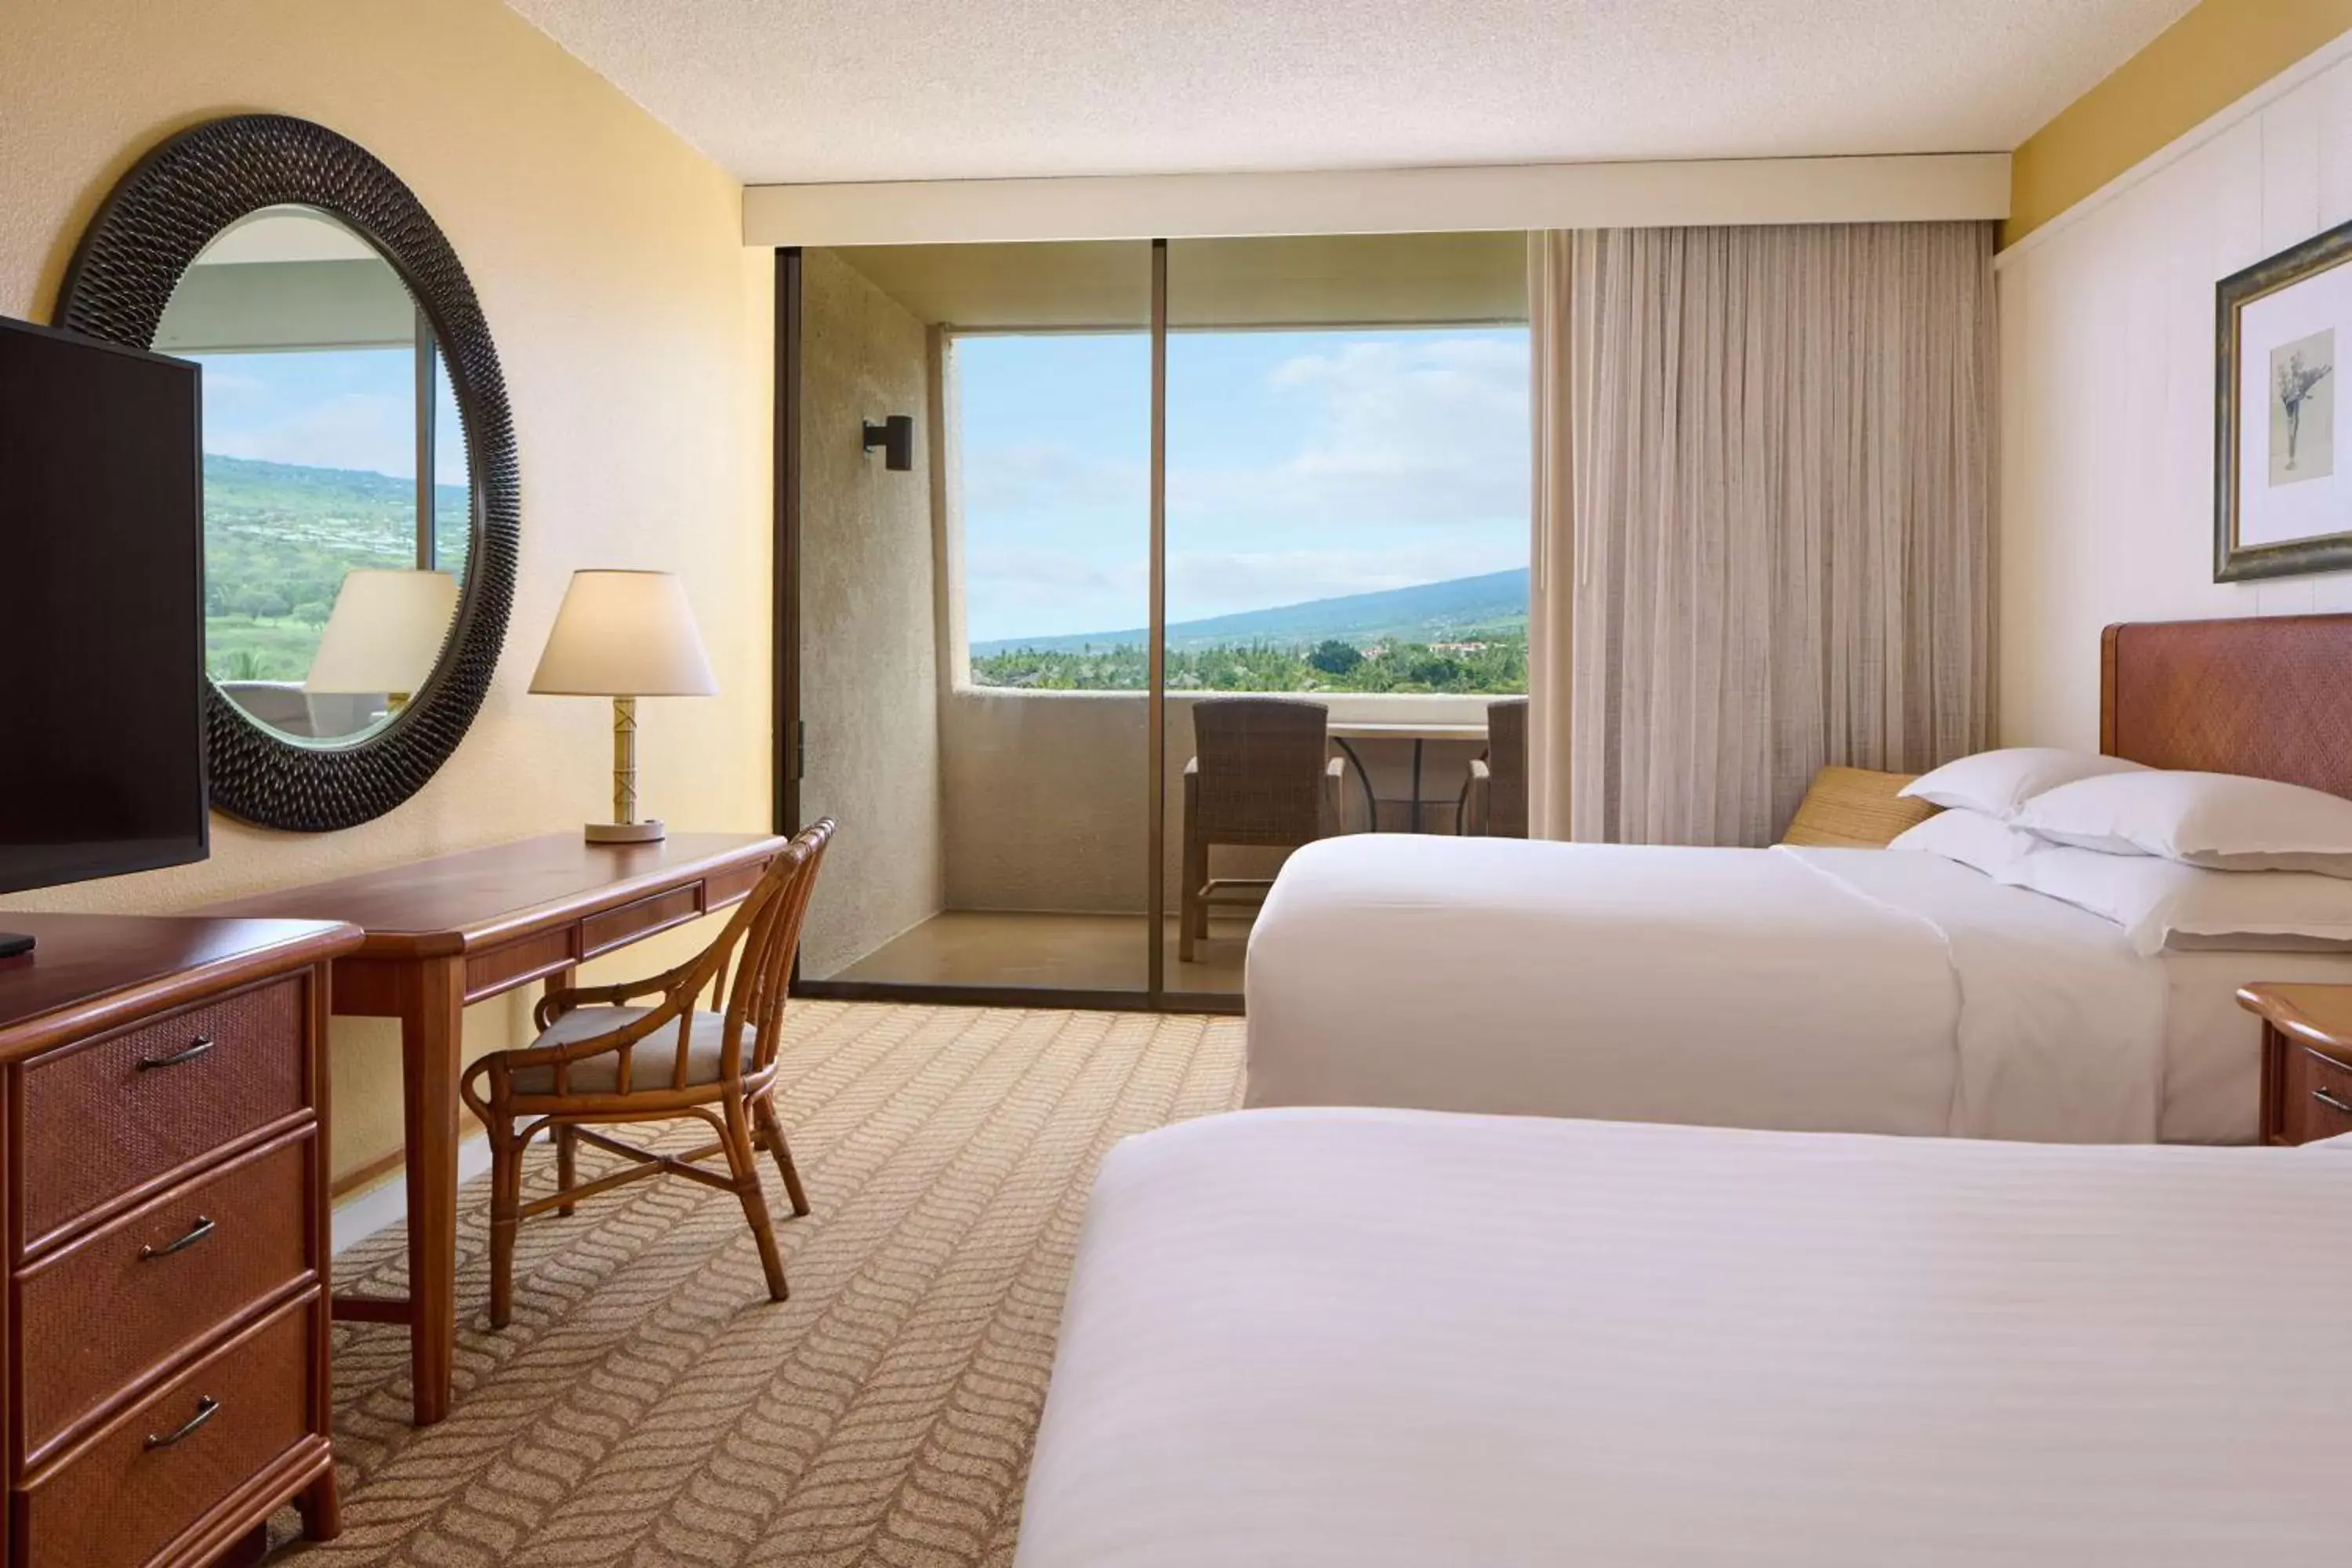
[
  {"x": 599, "y": 1061},
  {"x": 1495, "y": 800},
  {"x": 1261, "y": 775}
]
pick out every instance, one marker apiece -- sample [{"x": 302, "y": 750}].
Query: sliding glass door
[
  {"x": 1147, "y": 479},
  {"x": 974, "y": 629},
  {"x": 1347, "y": 552}
]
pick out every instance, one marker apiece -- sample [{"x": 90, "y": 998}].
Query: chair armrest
[
  {"x": 670, "y": 1015},
  {"x": 564, "y": 998}
]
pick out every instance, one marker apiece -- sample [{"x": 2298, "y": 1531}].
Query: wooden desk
[
  {"x": 1344, "y": 731},
  {"x": 458, "y": 928}
]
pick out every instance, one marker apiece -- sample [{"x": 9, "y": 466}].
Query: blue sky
[
  {"x": 1301, "y": 465},
  {"x": 343, "y": 408}
]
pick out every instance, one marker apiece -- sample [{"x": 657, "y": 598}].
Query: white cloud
[
  {"x": 1039, "y": 477},
  {"x": 1395, "y": 461},
  {"x": 1431, "y": 432},
  {"x": 361, "y": 430}
]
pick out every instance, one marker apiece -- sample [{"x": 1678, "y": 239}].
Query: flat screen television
[{"x": 102, "y": 609}]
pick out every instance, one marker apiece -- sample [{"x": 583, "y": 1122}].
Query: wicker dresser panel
[
  {"x": 108, "y": 1311},
  {"x": 102, "y": 1118},
  {"x": 125, "y": 1496}
]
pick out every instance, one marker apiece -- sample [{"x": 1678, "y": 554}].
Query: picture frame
[{"x": 2282, "y": 445}]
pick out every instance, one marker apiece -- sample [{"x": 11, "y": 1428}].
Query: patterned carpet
[{"x": 650, "y": 1406}]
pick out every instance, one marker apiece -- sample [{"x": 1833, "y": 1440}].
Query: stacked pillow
[{"x": 2178, "y": 859}]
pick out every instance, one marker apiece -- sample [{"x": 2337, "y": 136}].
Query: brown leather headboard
[{"x": 2269, "y": 696}]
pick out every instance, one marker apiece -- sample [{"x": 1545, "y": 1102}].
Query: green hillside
[
  {"x": 1493, "y": 604},
  {"x": 1464, "y": 635},
  {"x": 278, "y": 538}
]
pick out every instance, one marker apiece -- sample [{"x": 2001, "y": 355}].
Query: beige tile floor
[{"x": 1074, "y": 953}]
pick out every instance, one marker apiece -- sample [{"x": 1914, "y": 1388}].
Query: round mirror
[
  {"x": 337, "y": 515},
  {"x": 361, "y": 499}
]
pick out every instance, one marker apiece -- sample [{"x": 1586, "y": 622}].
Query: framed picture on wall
[{"x": 2283, "y": 454}]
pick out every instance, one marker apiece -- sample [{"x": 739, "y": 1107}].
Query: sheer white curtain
[{"x": 1764, "y": 519}]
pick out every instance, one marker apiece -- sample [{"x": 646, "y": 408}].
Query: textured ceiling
[{"x": 789, "y": 91}]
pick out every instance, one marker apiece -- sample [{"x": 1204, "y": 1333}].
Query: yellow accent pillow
[{"x": 1854, "y": 808}]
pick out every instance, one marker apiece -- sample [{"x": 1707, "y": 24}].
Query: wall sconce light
[{"x": 896, "y": 436}]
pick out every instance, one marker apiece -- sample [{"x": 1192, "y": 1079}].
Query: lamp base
[{"x": 625, "y": 832}]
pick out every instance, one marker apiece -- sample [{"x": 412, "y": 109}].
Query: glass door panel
[
  {"x": 1347, "y": 553},
  {"x": 973, "y": 629}
]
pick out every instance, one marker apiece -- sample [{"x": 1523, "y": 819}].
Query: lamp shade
[
  {"x": 384, "y": 632},
  {"x": 624, "y": 634}
]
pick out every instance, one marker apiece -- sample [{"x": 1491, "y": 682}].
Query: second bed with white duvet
[{"x": 1823, "y": 990}]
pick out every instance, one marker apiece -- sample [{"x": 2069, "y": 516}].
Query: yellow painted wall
[
  {"x": 635, "y": 330},
  {"x": 2213, "y": 56}
]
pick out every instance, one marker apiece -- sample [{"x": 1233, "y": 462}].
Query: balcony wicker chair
[
  {"x": 599, "y": 1061},
  {"x": 1494, "y": 799},
  {"x": 1261, "y": 775}
]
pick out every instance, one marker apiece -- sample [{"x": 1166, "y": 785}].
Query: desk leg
[
  {"x": 567, "y": 1137},
  {"x": 1416, "y": 783},
  {"x": 432, "y": 1030}
]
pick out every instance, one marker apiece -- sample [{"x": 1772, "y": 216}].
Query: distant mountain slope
[
  {"x": 249, "y": 490},
  {"x": 1426, "y": 612}
]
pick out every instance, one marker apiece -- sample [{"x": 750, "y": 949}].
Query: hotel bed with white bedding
[
  {"x": 1867, "y": 990},
  {"x": 1364, "y": 1338},
  {"x": 1823, "y": 990}
]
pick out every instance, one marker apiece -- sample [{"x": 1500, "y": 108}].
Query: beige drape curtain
[{"x": 1763, "y": 533}]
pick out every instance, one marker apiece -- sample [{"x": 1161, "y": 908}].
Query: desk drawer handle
[
  {"x": 2332, "y": 1101},
  {"x": 202, "y": 1044},
  {"x": 196, "y": 1233},
  {"x": 207, "y": 1408}
]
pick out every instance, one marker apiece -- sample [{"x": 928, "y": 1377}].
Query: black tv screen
[{"x": 102, "y": 609}]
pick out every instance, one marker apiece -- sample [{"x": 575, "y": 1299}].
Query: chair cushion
[
  {"x": 654, "y": 1059},
  {"x": 1854, "y": 808}
]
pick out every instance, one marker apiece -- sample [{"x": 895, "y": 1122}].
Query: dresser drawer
[
  {"x": 106, "y": 1116},
  {"x": 151, "y": 1475},
  {"x": 2318, "y": 1095},
  {"x": 105, "y": 1311}
]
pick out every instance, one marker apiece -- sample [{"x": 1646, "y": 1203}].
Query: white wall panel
[{"x": 2106, "y": 380}]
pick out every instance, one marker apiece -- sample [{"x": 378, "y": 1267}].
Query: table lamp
[
  {"x": 625, "y": 635},
  {"x": 384, "y": 634}
]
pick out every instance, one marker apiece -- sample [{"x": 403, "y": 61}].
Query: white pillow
[
  {"x": 2000, "y": 783},
  {"x": 2165, "y": 903},
  {"x": 1971, "y": 838},
  {"x": 2221, "y": 820}
]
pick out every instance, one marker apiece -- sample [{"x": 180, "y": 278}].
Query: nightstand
[{"x": 2306, "y": 1059}]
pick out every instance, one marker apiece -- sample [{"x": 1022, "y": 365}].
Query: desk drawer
[
  {"x": 104, "y": 1117},
  {"x": 2319, "y": 1099},
  {"x": 610, "y": 929},
  {"x": 118, "y": 1500},
  {"x": 723, "y": 887},
  {"x": 97, "y": 1317}
]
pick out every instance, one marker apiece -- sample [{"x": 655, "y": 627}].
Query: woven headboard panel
[{"x": 2268, "y": 696}]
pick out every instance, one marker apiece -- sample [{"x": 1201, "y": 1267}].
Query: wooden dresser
[{"x": 163, "y": 1176}]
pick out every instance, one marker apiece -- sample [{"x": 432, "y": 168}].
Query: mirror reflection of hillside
[{"x": 337, "y": 512}]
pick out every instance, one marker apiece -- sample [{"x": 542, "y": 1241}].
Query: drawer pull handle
[
  {"x": 202, "y": 1044},
  {"x": 2332, "y": 1101},
  {"x": 196, "y": 1233},
  {"x": 207, "y": 1408}
]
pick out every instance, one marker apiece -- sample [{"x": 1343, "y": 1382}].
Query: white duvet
[
  {"x": 1381, "y": 1339},
  {"x": 1825, "y": 990}
]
